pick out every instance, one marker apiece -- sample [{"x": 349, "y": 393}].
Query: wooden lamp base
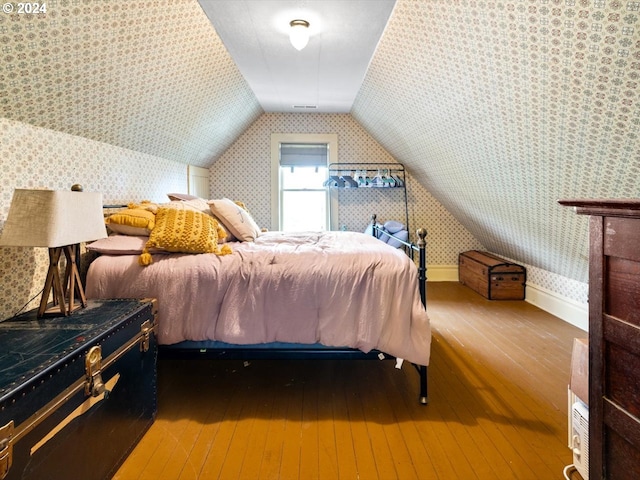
[{"x": 65, "y": 289}]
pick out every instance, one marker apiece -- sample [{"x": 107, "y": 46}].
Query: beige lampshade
[{"x": 51, "y": 218}]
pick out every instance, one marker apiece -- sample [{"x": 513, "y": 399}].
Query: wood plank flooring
[{"x": 498, "y": 407}]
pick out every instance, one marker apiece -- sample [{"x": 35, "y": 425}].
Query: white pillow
[
  {"x": 198, "y": 204},
  {"x": 236, "y": 219},
  {"x": 181, "y": 196}
]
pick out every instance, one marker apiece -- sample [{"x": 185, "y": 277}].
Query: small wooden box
[{"x": 491, "y": 276}]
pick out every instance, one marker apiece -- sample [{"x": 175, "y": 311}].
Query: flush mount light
[{"x": 299, "y": 33}]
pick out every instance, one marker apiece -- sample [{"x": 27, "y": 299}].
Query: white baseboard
[
  {"x": 442, "y": 273},
  {"x": 569, "y": 310}
]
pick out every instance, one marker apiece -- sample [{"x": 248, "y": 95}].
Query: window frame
[{"x": 331, "y": 139}]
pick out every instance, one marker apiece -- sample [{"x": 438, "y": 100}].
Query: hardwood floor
[{"x": 498, "y": 407}]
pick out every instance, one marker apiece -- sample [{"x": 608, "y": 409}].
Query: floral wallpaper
[
  {"x": 496, "y": 108},
  {"x": 34, "y": 157},
  {"x": 500, "y": 108},
  {"x": 147, "y": 75},
  {"x": 243, "y": 173},
  {"x": 118, "y": 96}
]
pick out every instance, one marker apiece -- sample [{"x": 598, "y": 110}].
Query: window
[
  {"x": 300, "y": 202},
  {"x": 303, "y": 199}
]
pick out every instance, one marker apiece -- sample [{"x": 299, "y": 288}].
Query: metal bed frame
[{"x": 278, "y": 351}]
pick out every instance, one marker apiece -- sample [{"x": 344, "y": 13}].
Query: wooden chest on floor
[
  {"x": 76, "y": 392},
  {"x": 491, "y": 276}
]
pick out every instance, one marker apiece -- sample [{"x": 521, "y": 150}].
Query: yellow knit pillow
[
  {"x": 145, "y": 205},
  {"x": 132, "y": 221},
  {"x": 199, "y": 205},
  {"x": 186, "y": 231}
]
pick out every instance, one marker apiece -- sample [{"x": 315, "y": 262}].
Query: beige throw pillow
[{"x": 237, "y": 220}]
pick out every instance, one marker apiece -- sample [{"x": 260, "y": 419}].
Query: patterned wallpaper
[
  {"x": 34, "y": 157},
  {"x": 499, "y": 108},
  {"x": 243, "y": 173},
  {"x": 123, "y": 91},
  {"x": 147, "y": 75}
]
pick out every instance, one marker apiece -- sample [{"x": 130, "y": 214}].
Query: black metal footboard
[{"x": 421, "y": 247}]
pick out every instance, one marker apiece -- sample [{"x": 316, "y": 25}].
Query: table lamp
[{"x": 58, "y": 220}]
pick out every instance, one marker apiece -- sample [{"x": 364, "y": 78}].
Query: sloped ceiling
[
  {"x": 150, "y": 76},
  {"x": 501, "y": 108}
]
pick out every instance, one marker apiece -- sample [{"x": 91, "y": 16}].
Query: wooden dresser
[{"x": 614, "y": 337}]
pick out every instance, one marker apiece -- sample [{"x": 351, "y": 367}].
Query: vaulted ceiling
[
  {"x": 498, "y": 108},
  {"x": 325, "y": 76}
]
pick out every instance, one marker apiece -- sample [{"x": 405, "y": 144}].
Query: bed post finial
[
  {"x": 422, "y": 235},
  {"x": 373, "y": 219}
]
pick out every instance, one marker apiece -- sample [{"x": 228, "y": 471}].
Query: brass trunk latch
[
  {"x": 93, "y": 367},
  {"x": 146, "y": 330},
  {"x": 6, "y": 448}
]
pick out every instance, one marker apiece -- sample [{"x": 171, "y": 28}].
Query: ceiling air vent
[{"x": 305, "y": 107}]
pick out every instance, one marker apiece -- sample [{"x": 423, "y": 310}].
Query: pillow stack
[{"x": 187, "y": 224}]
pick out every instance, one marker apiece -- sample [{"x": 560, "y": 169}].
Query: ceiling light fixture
[{"x": 299, "y": 33}]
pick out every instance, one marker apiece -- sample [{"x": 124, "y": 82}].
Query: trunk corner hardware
[{"x": 6, "y": 449}]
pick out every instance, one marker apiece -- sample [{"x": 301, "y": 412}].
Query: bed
[{"x": 306, "y": 294}]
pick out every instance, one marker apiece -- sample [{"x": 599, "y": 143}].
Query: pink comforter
[{"x": 335, "y": 288}]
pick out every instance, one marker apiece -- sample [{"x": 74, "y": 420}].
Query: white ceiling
[{"x": 327, "y": 74}]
